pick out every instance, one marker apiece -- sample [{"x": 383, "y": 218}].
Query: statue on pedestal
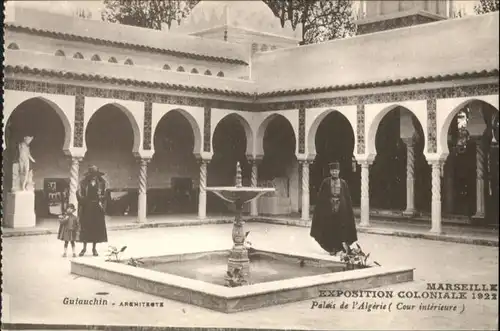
[
  {"x": 22, "y": 173},
  {"x": 20, "y": 202}
]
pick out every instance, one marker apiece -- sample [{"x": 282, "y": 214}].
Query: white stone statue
[{"x": 25, "y": 174}]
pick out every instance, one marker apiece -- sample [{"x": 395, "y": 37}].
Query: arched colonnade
[{"x": 77, "y": 113}]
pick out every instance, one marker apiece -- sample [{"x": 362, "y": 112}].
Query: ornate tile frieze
[
  {"x": 440, "y": 93},
  {"x": 69, "y": 89},
  {"x": 148, "y": 117},
  {"x": 360, "y": 128},
  {"x": 302, "y": 130},
  {"x": 120, "y": 94},
  {"x": 431, "y": 126},
  {"x": 207, "y": 115},
  {"x": 79, "y": 132}
]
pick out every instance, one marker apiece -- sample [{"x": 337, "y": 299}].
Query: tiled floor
[{"x": 36, "y": 279}]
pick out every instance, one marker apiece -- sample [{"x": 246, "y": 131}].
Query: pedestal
[
  {"x": 19, "y": 210},
  {"x": 238, "y": 256}
]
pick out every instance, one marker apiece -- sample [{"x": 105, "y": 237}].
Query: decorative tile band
[
  {"x": 302, "y": 130},
  {"x": 439, "y": 93},
  {"x": 431, "y": 126},
  {"x": 207, "y": 115},
  {"x": 68, "y": 89},
  {"x": 78, "y": 134},
  {"x": 109, "y": 93},
  {"x": 148, "y": 117},
  {"x": 360, "y": 128}
]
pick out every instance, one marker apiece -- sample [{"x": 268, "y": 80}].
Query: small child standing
[{"x": 68, "y": 228}]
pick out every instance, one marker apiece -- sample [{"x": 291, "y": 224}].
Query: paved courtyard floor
[{"x": 36, "y": 279}]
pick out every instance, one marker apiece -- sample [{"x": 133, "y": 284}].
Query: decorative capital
[
  {"x": 409, "y": 141},
  {"x": 305, "y": 157},
  {"x": 75, "y": 152},
  {"x": 365, "y": 163},
  {"x": 365, "y": 160},
  {"x": 76, "y": 159},
  {"x": 436, "y": 158},
  {"x": 306, "y": 162},
  {"x": 436, "y": 163},
  {"x": 143, "y": 161},
  {"x": 254, "y": 159},
  {"x": 203, "y": 161},
  {"x": 144, "y": 154}
]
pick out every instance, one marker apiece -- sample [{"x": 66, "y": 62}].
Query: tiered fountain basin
[{"x": 276, "y": 278}]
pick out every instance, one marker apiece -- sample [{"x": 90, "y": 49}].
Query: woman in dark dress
[{"x": 91, "y": 199}]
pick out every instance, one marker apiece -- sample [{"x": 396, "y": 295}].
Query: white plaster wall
[
  {"x": 65, "y": 103},
  {"x": 446, "y": 109},
  {"x": 37, "y": 44},
  {"x": 133, "y": 109},
  {"x": 374, "y": 113},
  {"x": 195, "y": 116},
  {"x": 314, "y": 116}
]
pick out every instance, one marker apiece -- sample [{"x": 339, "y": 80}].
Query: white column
[
  {"x": 73, "y": 179},
  {"x": 305, "y": 190},
  {"x": 362, "y": 9},
  {"x": 143, "y": 189},
  {"x": 410, "y": 177},
  {"x": 365, "y": 192},
  {"x": 436, "y": 196},
  {"x": 254, "y": 210},
  {"x": 202, "y": 199},
  {"x": 379, "y": 7},
  {"x": 480, "y": 201},
  {"x": 449, "y": 8}
]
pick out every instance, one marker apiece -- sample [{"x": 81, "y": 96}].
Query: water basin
[
  {"x": 197, "y": 278},
  {"x": 264, "y": 267}
]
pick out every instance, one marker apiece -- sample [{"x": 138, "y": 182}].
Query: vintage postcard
[{"x": 298, "y": 165}]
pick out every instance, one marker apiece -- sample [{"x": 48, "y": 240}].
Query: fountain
[
  {"x": 236, "y": 279},
  {"x": 238, "y": 262}
]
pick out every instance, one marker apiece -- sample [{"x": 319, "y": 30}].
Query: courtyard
[
  {"x": 36, "y": 280},
  {"x": 172, "y": 114}
]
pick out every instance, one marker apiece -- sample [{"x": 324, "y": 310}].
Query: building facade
[{"x": 166, "y": 113}]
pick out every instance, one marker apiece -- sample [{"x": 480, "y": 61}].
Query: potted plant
[
  {"x": 114, "y": 256},
  {"x": 355, "y": 258}
]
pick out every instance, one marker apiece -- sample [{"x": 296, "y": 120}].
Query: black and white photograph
[{"x": 250, "y": 165}]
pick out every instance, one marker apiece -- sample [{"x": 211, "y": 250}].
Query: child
[{"x": 68, "y": 228}]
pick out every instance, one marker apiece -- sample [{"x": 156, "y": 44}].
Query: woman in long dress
[{"x": 91, "y": 199}]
